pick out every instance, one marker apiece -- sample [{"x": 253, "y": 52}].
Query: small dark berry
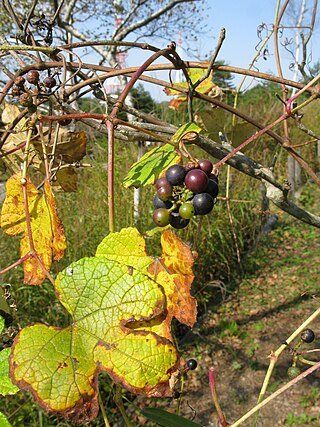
[
  {"x": 65, "y": 122},
  {"x": 19, "y": 81},
  {"x": 33, "y": 77},
  {"x": 16, "y": 90},
  {"x": 307, "y": 335},
  {"x": 32, "y": 108},
  {"x": 176, "y": 394},
  {"x": 50, "y": 82},
  {"x": 26, "y": 100},
  {"x": 192, "y": 364}
]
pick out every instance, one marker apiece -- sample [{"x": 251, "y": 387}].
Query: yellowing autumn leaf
[
  {"x": 173, "y": 270},
  {"x": 14, "y": 140},
  {"x": 70, "y": 147},
  {"x": 46, "y": 229},
  {"x": 204, "y": 87}
]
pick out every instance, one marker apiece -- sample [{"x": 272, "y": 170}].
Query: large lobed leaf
[
  {"x": 46, "y": 229},
  {"x": 121, "y": 319}
]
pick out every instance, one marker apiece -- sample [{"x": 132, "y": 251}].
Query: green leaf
[
  {"x": 148, "y": 168},
  {"x": 166, "y": 419},
  {"x": 6, "y": 386},
  {"x": 1, "y": 324},
  {"x": 4, "y": 421},
  {"x": 119, "y": 325},
  {"x": 184, "y": 131}
]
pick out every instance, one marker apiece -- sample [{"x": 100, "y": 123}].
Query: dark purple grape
[
  {"x": 161, "y": 217},
  {"x": 307, "y": 335},
  {"x": 165, "y": 192},
  {"x": 206, "y": 166},
  {"x": 33, "y": 77},
  {"x": 157, "y": 203},
  {"x": 161, "y": 182},
  {"x": 175, "y": 174},
  {"x": 50, "y": 82},
  {"x": 196, "y": 180},
  {"x": 177, "y": 222},
  {"x": 203, "y": 203},
  {"x": 212, "y": 188}
]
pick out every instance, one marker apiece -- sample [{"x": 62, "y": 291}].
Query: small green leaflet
[
  {"x": 166, "y": 419},
  {"x": 3, "y": 421},
  {"x": 1, "y": 324},
  {"x": 149, "y": 167},
  {"x": 6, "y": 386}
]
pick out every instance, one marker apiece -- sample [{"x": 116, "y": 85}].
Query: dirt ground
[{"x": 237, "y": 336}]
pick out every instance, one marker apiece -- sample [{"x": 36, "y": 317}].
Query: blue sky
[{"x": 241, "y": 20}]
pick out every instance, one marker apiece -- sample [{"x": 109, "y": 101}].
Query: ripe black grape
[
  {"x": 158, "y": 203},
  {"x": 214, "y": 177},
  {"x": 212, "y": 188},
  {"x": 161, "y": 217},
  {"x": 177, "y": 221},
  {"x": 307, "y": 335},
  {"x": 192, "y": 364},
  {"x": 175, "y": 174},
  {"x": 196, "y": 180},
  {"x": 203, "y": 203}
]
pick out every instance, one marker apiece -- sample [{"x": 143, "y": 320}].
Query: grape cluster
[
  {"x": 183, "y": 192},
  {"x": 25, "y": 94}
]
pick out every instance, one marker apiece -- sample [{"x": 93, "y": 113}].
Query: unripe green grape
[{"x": 186, "y": 211}]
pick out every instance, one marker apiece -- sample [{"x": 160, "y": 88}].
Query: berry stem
[
  {"x": 275, "y": 355},
  {"x": 276, "y": 394},
  {"x": 221, "y": 416}
]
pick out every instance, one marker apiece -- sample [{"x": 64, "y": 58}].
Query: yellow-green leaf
[{"x": 120, "y": 324}]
